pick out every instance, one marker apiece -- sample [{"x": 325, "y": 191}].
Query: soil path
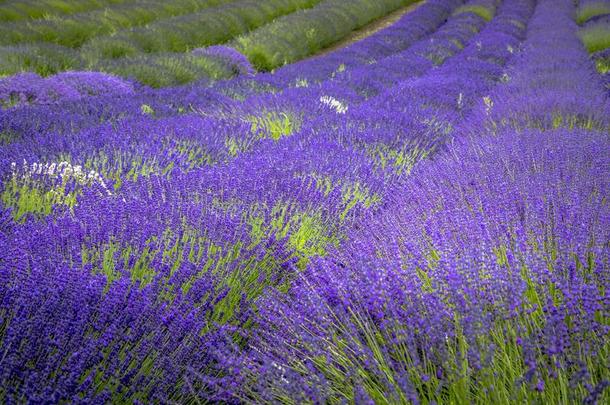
[{"x": 369, "y": 29}]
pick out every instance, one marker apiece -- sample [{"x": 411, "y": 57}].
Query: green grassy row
[
  {"x": 74, "y": 30},
  {"x": 21, "y": 10},
  {"x": 168, "y": 69},
  {"x": 46, "y": 47},
  {"x": 183, "y": 33},
  {"x": 160, "y": 70},
  {"x": 43, "y": 59},
  {"x": 301, "y": 34}
]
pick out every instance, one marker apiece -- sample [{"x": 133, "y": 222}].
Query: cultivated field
[{"x": 208, "y": 201}]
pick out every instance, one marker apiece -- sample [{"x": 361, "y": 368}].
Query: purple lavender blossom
[{"x": 29, "y": 88}]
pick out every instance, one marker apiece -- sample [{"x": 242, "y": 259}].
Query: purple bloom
[{"x": 29, "y": 88}]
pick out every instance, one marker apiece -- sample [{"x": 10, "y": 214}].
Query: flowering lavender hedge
[
  {"x": 414, "y": 25},
  {"x": 421, "y": 217},
  {"x": 29, "y": 88}
]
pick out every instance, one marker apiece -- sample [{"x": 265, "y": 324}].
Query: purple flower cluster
[
  {"x": 420, "y": 217},
  {"x": 29, "y": 88}
]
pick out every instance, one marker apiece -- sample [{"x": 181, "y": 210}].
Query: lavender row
[
  {"x": 449, "y": 40},
  {"x": 133, "y": 161},
  {"x": 552, "y": 84},
  {"x": 430, "y": 11},
  {"x": 154, "y": 54},
  {"x": 474, "y": 277},
  {"x": 485, "y": 278},
  {"x": 348, "y": 89},
  {"x": 29, "y": 88},
  {"x": 423, "y": 21},
  {"x": 308, "y": 31},
  {"x": 180, "y": 33}
]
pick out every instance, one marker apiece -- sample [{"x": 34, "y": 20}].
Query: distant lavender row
[
  {"x": 413, "y": 26},
  {"x": 305, "y": 32},
  {"x": 181, "y": 33},
  {"x": 247, "y": 84},
  {"x": 29, "y": 88},
  {"x": 301, "y": 98},
  {"x": 422, "y": 55},
  {"x": 152, "y": 53},
  {"x": 213, "y": 150}
]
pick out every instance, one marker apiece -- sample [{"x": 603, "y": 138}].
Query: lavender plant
[{"x": 475, "y": 287}]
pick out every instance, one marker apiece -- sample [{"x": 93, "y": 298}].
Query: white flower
[
  {"x": 488, "y": 104},
  {"x": 332, "y": 102},
  {"x": 282, "y": 370},
  {"x": 51, "y": 169},
  {"x": 64, "y": 169}
]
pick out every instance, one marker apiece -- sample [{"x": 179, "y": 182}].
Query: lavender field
[{"x": 199, "y": 204}]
